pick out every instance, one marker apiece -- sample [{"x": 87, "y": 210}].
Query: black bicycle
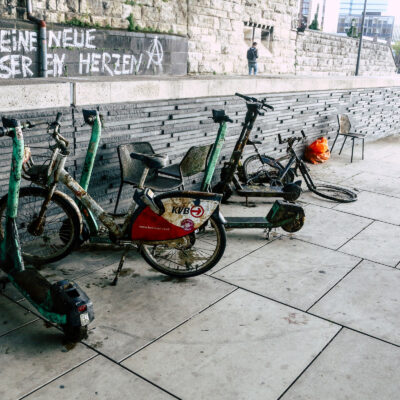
[{"x": 262, "y": 169}]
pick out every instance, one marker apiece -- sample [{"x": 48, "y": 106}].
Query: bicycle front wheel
[
  {"x": 195, "y": 255},
  {"x": 56, "y": 237},
  {"x": 334, "y": 193}
]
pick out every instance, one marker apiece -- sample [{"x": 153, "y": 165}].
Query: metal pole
[{"x": 361, "y": 38}]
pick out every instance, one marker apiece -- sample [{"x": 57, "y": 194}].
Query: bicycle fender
[{"x": 184, "y": 213}]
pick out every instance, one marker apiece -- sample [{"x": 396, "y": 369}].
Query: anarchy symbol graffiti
[{"x": 155, "y": 53}]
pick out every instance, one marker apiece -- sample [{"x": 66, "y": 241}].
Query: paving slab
[
  {"x": 12, "y": 316},
  {"x": 374, "y": 206},
  {"x": 240, "y": 243},
  {"x": 366, "y": 300},
  {"x": 379, "y": 242},
  {"x": 375, "y": 183},
  {"x": 243, "y": 347},
  {"x": 352, "y": 367},
  {"x": 34, "y": 355},
  {"x": 99, "y": 378},
  {"x": 330, "y": 228},
  {"x": 290, "y": 271},
  {"x": 144, "y": 305},
  {"x": 86, "y": 260}
]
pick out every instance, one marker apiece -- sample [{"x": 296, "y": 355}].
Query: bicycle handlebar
[
  {"x": 292, "y": 139},
  {"x": 262, "y": 102}
]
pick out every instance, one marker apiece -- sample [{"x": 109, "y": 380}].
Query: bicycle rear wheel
[
  {"x": 197, "y": 253},
  {"x": 334, "y": 193},
  {"x": 265, "y": 170},
  {"x": 60, "y": 230}
]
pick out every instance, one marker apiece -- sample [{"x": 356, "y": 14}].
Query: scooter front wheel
[
  {"x": 295, "y": 225},
  {"x": 55, "y": 238},
  {"x": 195, "y": 254},
  {"x": 223, "y": 189},
  {"x": 75, "y": 333}
]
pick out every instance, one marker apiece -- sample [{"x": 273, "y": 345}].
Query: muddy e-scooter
[
  {"x": 290, "y": 191},
  {"x": 289, "y": 216},
  {"x": 63, "y": 303}
]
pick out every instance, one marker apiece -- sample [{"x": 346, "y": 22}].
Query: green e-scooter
[
  {"x": 289, "y": 216},
  {"x": 63, "y": 303}
]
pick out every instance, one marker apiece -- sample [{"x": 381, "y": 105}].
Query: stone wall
[
  {"x": 218, "y": 36},
  {"x": 173, "y": 126},
  {"x": 219, "y": 33},
  {"x": 319, "y": 53}
]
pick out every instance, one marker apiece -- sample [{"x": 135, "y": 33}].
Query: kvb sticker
[
  {"x": 187, "y": 225},
  {"x": 197, "y": 211}
]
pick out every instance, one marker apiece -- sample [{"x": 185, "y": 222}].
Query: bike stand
[{"x": 121, "y": 264}]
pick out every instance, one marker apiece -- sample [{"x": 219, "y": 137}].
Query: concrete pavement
[{"x": 311, "y": 315}]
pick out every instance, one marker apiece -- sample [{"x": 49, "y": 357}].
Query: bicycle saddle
[{"x": 151, "y": 161}]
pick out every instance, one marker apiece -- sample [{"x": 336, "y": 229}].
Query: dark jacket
[{"x": 252, "y": 55}]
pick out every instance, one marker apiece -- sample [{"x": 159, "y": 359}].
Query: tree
[
  {"x": 396, "y": 48},
  {"x": 314, "y": 23},
  {"x": 352, "y": 32}
]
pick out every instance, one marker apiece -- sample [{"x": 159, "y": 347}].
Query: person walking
[{"x": 252, "y": 55}]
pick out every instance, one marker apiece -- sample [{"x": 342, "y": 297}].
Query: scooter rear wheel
[{"x": 199, "y": 253}]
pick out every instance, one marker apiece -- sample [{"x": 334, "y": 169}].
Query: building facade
[
  {"x": 356, "y": 7},
  {"x": 375, "y": 26},
  {"x": 305, "y": 7}
]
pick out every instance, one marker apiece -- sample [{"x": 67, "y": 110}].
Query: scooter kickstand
[
  {"x": 121, "y": 264},
  {"x": 267, "y": 232}
]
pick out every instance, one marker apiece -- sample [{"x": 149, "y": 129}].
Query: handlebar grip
[
  {"x": 229, "y": 120},
  {"x": 303, "y": 134},
  {"x": 268, "y": 106},
  {"x": 243, "y": 96},
  {"x": 280, "y": 138},
  {"x": 58, "y": 118},
  {"x": 30, "y": 124}
]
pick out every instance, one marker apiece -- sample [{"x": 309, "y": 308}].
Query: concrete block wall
[
  {"x": 74, "y": 51},
  {"x": 172, "y": 126}
]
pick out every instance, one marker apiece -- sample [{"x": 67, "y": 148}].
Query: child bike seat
[{"x": 156, "y": 161}]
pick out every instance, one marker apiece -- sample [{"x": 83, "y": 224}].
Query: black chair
[
  {"x": 344, "y": 130},
  {"x": 164, "y": 179}
]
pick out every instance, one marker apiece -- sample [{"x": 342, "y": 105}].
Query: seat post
[{"x": 143, "y": 177}]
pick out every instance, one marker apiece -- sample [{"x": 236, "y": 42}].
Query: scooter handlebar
[
  {"x": 262, "y": 103},
  {"x": 58, "y": 118}
]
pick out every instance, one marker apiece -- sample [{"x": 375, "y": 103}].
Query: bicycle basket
[{"x": 39, "y": 166}]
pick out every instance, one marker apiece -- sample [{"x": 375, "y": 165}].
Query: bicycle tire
[
  {"x": 271, "y": 173},
  {"x": 334, "y": 193},
  {"x": 154, "y": 254},
  {"x": 49, "y": 246}
]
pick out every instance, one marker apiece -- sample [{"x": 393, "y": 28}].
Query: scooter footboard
[
  {"x": 283, "y": 210},
  {"x": 184, "y": 212}
]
